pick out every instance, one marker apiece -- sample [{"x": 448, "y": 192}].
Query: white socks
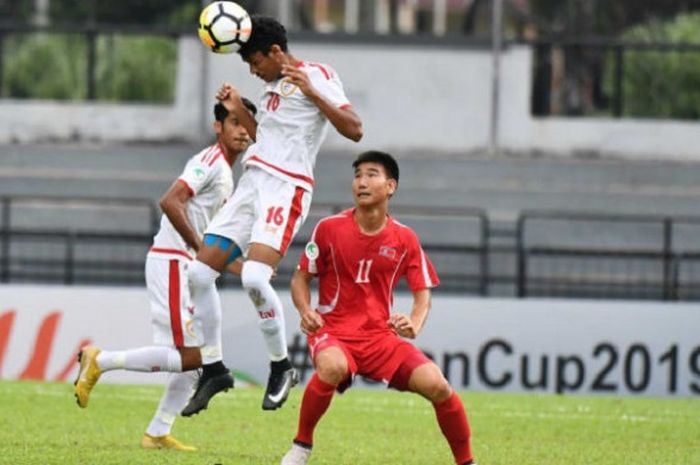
[
  {"x": 207, "y": 304},
  {"x": 177, "y": 393},
  {"x": 256, "y": 281},
  {"x": 152, "y": 358}
]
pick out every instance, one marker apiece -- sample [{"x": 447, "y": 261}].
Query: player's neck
[
  {"x": 290, "y": 60},
  {"x": 228, "y": 154},
  {"x": 371, "y": 220}
]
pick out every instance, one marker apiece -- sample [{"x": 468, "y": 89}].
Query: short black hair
[
  {"x": 375, "y": 156},
  {"x": 220, "y": 111},
  {"x": 267, "y": 31}
]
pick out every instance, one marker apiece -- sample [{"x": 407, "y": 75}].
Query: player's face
[
  {"x": 267, "y": 67},
  {"x": 233, "y": 135},
  {"x": 371, "y": 186}
]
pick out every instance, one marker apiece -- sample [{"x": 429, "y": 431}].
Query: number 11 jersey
[{"x": 357, "y": 272}]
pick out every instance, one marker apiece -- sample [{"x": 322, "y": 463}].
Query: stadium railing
[
  {"x": 83, "y": 254},
  {"x": 562, "y": 254},
  {"x": 553, "y": 254},
  {"x": 60, "y": 239}
]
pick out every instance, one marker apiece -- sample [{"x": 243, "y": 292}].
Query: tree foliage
[
  {"x": 605, "y": 17},
  {"x": 663, "y": 84}
]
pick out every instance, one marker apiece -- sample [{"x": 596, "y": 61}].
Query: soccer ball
[{"x": 224, "y": 27}]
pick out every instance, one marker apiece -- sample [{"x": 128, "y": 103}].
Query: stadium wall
[
  {"x": 536, "y": 346},
  {"x": 411, "y": 98}
]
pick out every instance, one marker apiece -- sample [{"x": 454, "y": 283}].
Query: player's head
[
  {"x": 376, "y": 177},
  {"x": 266, "y": 48},
  {"x": 229, "y": 131}
]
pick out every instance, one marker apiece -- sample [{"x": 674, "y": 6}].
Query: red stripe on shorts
[
  {"x": 174, "y": 303},
  {"x": 294, "y": 214}
]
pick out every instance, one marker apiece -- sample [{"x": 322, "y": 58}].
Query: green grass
[{"x": 40, "y": 424}]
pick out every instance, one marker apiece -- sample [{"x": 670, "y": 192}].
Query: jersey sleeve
[
  {"x": 315, "y": 253},
  {"x": 326, "y": 81},
  {"x": 198, "y": 174},
  {"x": 420, "y": 272}
]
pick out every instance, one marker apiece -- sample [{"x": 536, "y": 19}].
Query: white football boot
[{"x": 297, "y": 455}]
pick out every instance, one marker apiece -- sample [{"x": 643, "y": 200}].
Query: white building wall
[{"x": 410, "y": 98}]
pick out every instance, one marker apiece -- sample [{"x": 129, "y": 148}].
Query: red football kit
[{"x": 357, "y": 274}]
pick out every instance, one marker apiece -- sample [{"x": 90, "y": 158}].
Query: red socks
[
  {"x": 452, "y": 419},
  {"x": 317, "y": 397}
]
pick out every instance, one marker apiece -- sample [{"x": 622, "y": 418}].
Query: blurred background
[{"x": 548, "y": 148}]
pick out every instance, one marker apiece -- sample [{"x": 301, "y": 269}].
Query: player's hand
[
  {"x": 311, "y": 322},
  {"x": 402, "y": 325},
  {"x": 228, "y": 94},
  {"x": 299, "y": 78}
]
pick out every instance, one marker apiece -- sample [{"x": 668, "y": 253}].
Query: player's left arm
[
  {"x": 344, "y": 119},
  {"x": 409, "y": 327}
]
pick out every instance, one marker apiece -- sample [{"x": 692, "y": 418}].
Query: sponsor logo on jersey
[
  {"x": 388, "y": 252},
  {"x": 311, "y": 251}
]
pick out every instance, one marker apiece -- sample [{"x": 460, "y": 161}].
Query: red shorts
[{"x": 386, "y": 357}]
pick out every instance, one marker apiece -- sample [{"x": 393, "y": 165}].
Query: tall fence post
[
  {"x": 668, "y": 292},
  {"x": 2, "y": 59},
  {"x": 91, "y": 36},
  {"x": 69, "y": 265},
  {"x": 619, "y": 98},
  {"x": 520, "y": 256},
  {"x": 484, "y": 254},
  {"x": 5, "y": 244}
]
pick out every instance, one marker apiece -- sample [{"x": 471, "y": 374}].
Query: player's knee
[
  {"x": 428, "y": 381},
  {"x": 437, "y": 389},
  {"x": 200, "y": 275},
  {"x": 255, "y": 275},
  {"x": 331, "y": 368}
]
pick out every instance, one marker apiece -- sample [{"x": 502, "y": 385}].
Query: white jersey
[
  {"x": 291, "y": 128},
  {"x": 209, "y": 178}
]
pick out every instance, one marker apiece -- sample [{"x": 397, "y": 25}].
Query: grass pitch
[{"x": 41, "y": 424}]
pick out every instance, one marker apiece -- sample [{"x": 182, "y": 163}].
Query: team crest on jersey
[
  {"x": 311, "y": 251},
  {"x": 287, "y": 88},
  {"x": 388, "y": 252}
]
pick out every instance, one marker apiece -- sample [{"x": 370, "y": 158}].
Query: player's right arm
[
  {"x": 311, "y": 321},
  {"x": 174, "y": 206},
  {"x": 231, "y": 99}
]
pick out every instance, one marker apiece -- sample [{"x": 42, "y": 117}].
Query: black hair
[
  {"x": 220, "y": 111},
  {"x": 387, "y": 161},
  {"x": 267, "y": 31}
]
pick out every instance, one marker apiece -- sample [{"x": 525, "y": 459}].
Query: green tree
[{"x": 663, "y": 83}]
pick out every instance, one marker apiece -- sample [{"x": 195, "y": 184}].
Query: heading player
[
  {"x": 358, "y": 256},
  {"x": 272, "y": 200},
  {"x": 188, "y": 206}
]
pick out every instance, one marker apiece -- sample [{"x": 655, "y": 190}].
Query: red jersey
[{"x": 358, "y": 272}]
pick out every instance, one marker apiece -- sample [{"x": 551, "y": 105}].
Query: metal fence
[
  {"x": 552, "y": 254},
  {"x": 608, "y": 256},
  {"x": 603, "y": 76},
  {"x": 83, "y": 255}
]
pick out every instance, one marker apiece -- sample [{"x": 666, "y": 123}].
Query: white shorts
[
  {"x": 171, "y": 307},
  {"x": 263, "y": 209}
]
